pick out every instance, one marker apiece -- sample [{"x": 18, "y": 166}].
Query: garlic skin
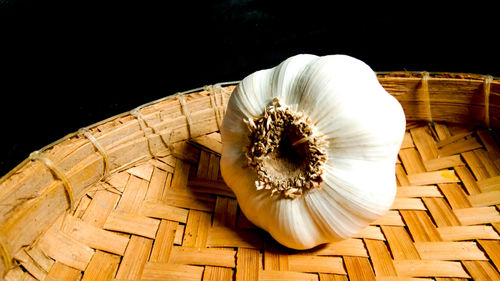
[{"x": 362, "y": 125}]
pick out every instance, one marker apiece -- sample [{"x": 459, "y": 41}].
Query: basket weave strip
[{"x": 164, "y": 212}]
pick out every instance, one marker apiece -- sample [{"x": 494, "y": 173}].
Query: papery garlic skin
[{"x": 363, "y": 126}]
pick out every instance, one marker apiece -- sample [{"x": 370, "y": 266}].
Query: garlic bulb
[{"x": 309, "y": 148}]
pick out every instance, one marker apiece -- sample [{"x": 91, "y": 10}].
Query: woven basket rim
[{"x": 390, "y": 74}]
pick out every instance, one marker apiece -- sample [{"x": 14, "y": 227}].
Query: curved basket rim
[{"x": 229, "y": 83}]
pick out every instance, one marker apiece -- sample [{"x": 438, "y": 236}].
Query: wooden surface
[{"x": 164, "y": 212}]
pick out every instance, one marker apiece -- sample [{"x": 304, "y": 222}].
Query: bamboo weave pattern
[{"x": 171, "y": 217}]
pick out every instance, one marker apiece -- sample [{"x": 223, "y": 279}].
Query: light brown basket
[{"x": 139, "y": 196}]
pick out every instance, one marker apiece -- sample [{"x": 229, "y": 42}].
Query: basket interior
[{"x": 171, "y": 217}]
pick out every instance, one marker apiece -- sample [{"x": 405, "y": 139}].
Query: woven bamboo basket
[{"x": 139, "y": 196}]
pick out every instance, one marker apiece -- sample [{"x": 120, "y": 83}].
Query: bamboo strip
[
  {"x": 455, "y": 195},
  {"x": 307, "y": 263},
  {"x": 480, "y": 215},
  {"x": 359, "y": 268},
  {"x": 62, "y": 272},
  {"x": 133, "y": 195},
  {"x": 443, "y": 162},
  {"x": 332, "y": 277},
  {"x": 487, "y": 162},
  {"x": 496, "y": 226},
  {"x": 156, "y": 185},
  {"x": 134, "y": 259},
  {"x": 489, "y": 184},
  {"x": 452, "y": 139},
  {"x": 481, "y": 270},
  {"x": 441, "y": 212},
  {"x": 396, "y": 278},
  {"x": 420, "y": 226},
  {"x": 390, "y": 218},
  {"x": 163, "y": 211},
  {"x": 272, "y": 275},
  {"x": 441, "y": 176},
  {"x": 179, "y": 195},
  {"x": 476, "y": 166},
  {"x": 458, "y": 233},
  {"x": 348, "y": 247},
  {"x": 412, "y": 161},
  {"x": 171, "y": 272},
  {"x": 213, "y": 168},
  {"x": 381, "y": 258},
  {"x": 424, "y": 143},
  {"x": 202, "y": 168},
  {"x": 197, "y": 228},
  {"x": 130, "y": 223},
  {"x": 449, "y": 251},
  {"x": 467, "y": 180},
  {"x": 275, "y": 258},
  {"x": 371, "y": 232},
  {"x": 400, "y": 243},
  {"x": 424, "y": 268},
  {"x": 100, "y": 207},
  {"x": 65, "y": 249},
  {"x": 408, "y": 204},
  {"x": 102, "y": 267},
  {"x": 216, "y": 187},
  {"x": 213, "y": 273},
  {"x": 492, "y": 249},
  {"x": 407, "y": 141},
  {"x": 401, "y": 177},
  {"x": 247, "y": 265},
  {"x": 485, "y": 199},
  {"x": 225, "y": 212},
  {"x": 204, "y": 256},
  {"x": 460, "y": 146},
  {"x": 164, "y": 241},
  {"x": 418, "y": 191},
  {"x": 94, "y": 237},
  {"x": 190, "y": 200}
]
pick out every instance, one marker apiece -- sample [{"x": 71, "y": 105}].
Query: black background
[{"x": 67, "y": 64}]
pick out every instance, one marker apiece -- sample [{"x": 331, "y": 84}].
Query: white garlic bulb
[{"x": 309, "y": 148}]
